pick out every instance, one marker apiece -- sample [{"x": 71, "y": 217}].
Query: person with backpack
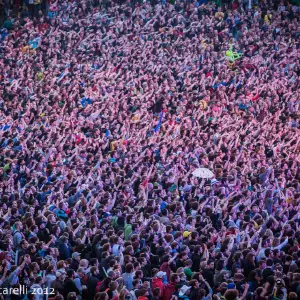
[
  {"x": 170, "y": 287},
  {"x": 103, "y": 285},
  {"x": 157, "y": 281},
  {"x": 112, "y": 291}
]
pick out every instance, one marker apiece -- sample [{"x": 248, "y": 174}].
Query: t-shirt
[
  {"x": 8, "y": 24},
  {"x": 17, "y": 237},
  {"x": 188, "y": 272}
]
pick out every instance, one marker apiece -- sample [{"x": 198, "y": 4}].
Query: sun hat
[{"x": 183, "y": 290}]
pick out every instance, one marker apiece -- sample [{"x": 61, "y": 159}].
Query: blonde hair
[{"x": 123, "y": 293}]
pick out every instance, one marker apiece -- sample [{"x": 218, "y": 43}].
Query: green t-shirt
[
  {"x": 188, "y": 272},
  {"x": 8, "y": 24},
  {"x": 127, "y": 231}
]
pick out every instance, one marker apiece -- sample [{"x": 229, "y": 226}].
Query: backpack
[
  {"x": 85, "y": 278},
  {"x": 16, "y": 232},
  {"x": 97, "y": 290},
  {"x": 98, "y": 250}
]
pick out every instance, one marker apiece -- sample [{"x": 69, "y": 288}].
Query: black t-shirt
[
  {"x": 208, "y": 275},
  {"x": 269, "y": 152}
]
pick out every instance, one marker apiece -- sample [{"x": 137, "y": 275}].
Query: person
[
  {"x": 156, "y": 294},
  {"x": 64, "y": 247},
  {"x": 101, "y": 296},
  {"x": 79, "y": 280},
  {"x": 157, "y": 281},
  {"x": 72, "y": 296},
  {"x": 92, "y": 282},
  {"x": 187, "y": 270},
  {"x": 195, "y": 292},
  {"x": 184, "y": 292},
  {"x": 69, "y": 284},
  {"x": 231, "y": 294},
  {"x": 75, "y": 261},
  {"x": 50, "y": 277},
  {"x": 143, "y": 293},
  {"x": 128, "y": 276},
  {"x": 208, "y": 272},
  {"x": 170, "y": 287},
  {"x": 17, "y": 234},
  {"x": 37, "y": 286},
  {"x": 6, "y": 8},
  {"x": 58, "y": 284}
]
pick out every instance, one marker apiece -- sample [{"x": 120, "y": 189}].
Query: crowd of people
[{"x": 107, "y": 108}]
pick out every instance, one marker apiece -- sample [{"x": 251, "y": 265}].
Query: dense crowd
[{"x": 107, "y": 108}]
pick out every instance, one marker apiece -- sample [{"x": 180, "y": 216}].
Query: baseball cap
[
  {"x": 231, "y": 286},
  {"x": 60, "y": 272},
  {"x": 186, "y": 234},
  {"x": 161, "y": 274},
  {"x": 75, "y": 254}
]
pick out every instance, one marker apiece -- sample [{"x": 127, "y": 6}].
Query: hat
[
  {"x": 187, "y": 188},
  {"x": 186, "y": 234},
  {"x": 163, "y": 205},
  {"x": 161, "y": 274},
  {"x": 231, "y": 286},
  {"x": 214, "y": 181},
  {"x": 59, "y": 273},
  {"x": 75, "y": 254},
  {"x": 183, "y": 290}
]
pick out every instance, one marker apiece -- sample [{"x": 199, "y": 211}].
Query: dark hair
[
  {"x": 156, "y": 292},
  {"x": 93, "y": 270},
  {"x": 174, "y": 277},
  {"x": 70, "y": 273},
  {"x": 231, "y": 294},
  {"x": 129, "y": 268}
]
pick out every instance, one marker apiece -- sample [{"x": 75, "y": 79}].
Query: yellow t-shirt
[{"x": 267, "y": 18}]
